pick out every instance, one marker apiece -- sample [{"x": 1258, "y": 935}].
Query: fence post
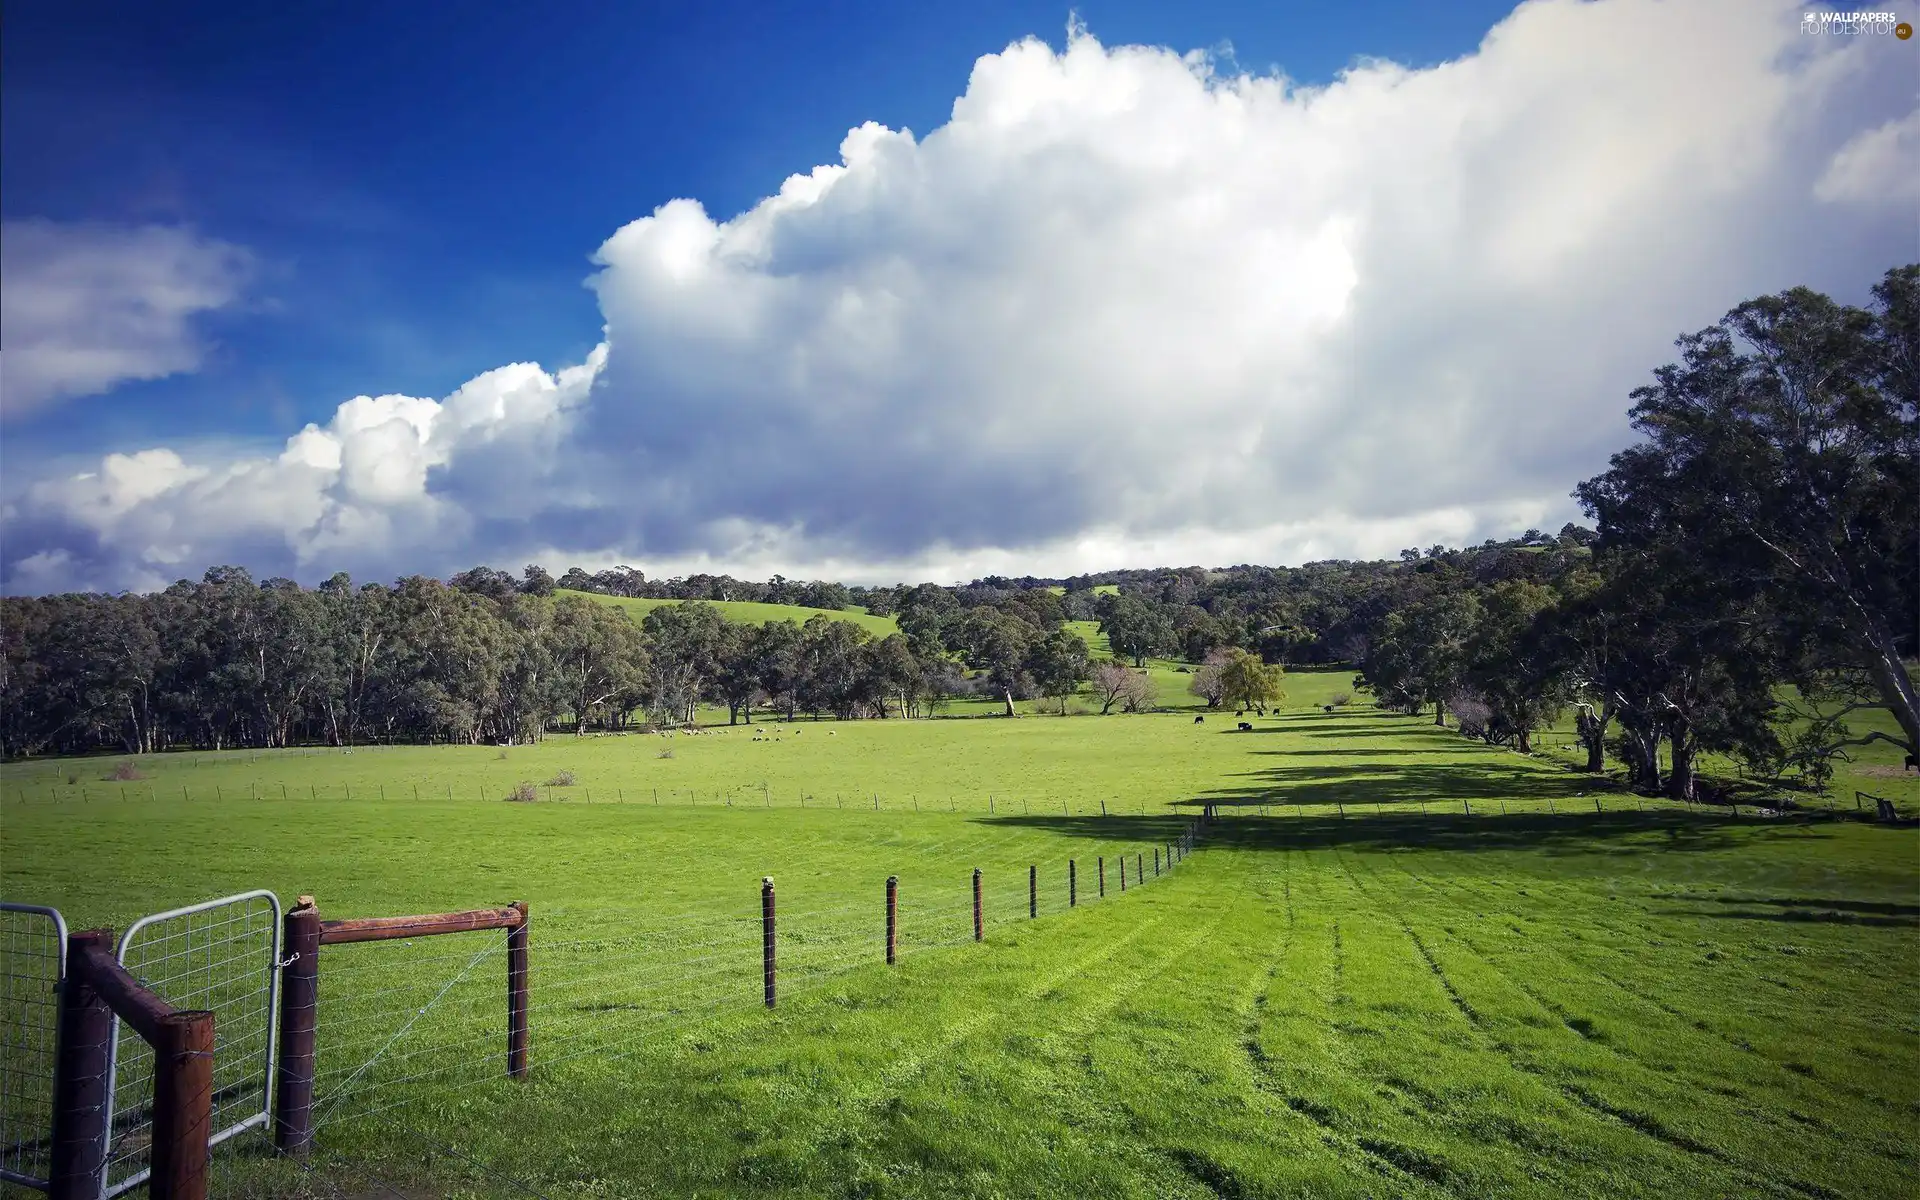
[
  {"x": 1156, "y": 862},
  {"x": 517, "y": 995},
  {"x": 1101, "y": 865},
  {"x": 893, "y": 917},
  {"x": 1139, "y": 867},
  {"x": 299, "y": 1013},
  {"x": 80, "y": 1100},
  {"x": 182, "y": 1107},
  {"x": 1073, "y": 885},
  {"x": 978, "y": 931},
  {"x": 1123, "y": 874},
  {"x": 1033, "y": 890},
  {"x": 766, "y": 934}
]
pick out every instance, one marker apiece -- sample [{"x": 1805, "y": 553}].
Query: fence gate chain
[
  {"x": 33, "y": 958},
  {"x": 222, "y": 956}
]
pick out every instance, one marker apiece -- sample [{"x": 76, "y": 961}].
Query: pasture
[
  {"x": 1403, "y": 963},
  {"x": 750, "y": 612}
]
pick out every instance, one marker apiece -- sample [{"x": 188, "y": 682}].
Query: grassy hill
[
  {"x": 747, "y": 612},
  {"x": 1404, "y": 964}
]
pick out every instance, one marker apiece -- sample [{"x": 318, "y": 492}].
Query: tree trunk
[
  {"x": 1896, "y": 690},
  {"x": 1596, "y": 755},
  {"x": 1680, "y": 775},
  {"x": 1523, "y": 741},
  {"x": 1008, "y": 693},
  {"x": 1440, "y": 713}
]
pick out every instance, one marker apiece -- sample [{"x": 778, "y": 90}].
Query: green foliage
[{"x": 1246, "y": 682}]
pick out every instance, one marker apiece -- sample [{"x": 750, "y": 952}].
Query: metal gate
[
  {"x": 222, "y": 955},
  {"x": 33, "y": 961}
]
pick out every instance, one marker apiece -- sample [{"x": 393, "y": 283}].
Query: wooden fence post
[
  {"x": 978, "y": 930},
  {"x": 80, "y": 1099},
  {"x": 766, "y": 934},
  {"x": 517, "y": 995},
  {"x": 182, "y": 1107},
  {"x": 1073, "y": 885},
  {"x": 299, "y": 1013},
  {"x": 893, "y": 917},
  {"x": 1033, "y": 890}
]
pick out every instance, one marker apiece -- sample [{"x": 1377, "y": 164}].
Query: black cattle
[
  {"x": 1246, "y": 727},
  {"x": 1913, "y": 764},
  {"x": 1199, "y": 720}
]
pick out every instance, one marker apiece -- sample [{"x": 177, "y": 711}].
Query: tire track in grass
[
  {"x": 857, "y": 1107},
  {"x": 1747, "y": 1110},
  {"x": 1640, "y": 995},
  {"x": 1405, "y": 1166},
  {"x": 1642, "y": 1123}
]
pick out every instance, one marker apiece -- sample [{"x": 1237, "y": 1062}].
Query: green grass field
[
  {"x": 748, "y": 612},
  {"x": 1470, "y": 984}
]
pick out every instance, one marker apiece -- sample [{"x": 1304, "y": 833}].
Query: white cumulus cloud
[
  {"x": 84, "y": 307},
  {"x": 1122, "y": 308}
]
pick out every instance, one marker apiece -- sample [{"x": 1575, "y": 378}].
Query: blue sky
[
  {"x": 409, "y": 196},
  {"x": 423, "y": 184}
]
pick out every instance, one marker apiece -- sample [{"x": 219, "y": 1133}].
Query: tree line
[{"x": 1749, "y": 581}]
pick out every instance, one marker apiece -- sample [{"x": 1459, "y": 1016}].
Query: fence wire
[
  {"x": 219, "y": 956},
  {"x": 33, "y": 953}
]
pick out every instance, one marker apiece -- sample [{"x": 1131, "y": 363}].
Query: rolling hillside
[{"x": 746, "y": 612}]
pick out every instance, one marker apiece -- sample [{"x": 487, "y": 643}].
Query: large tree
[{"x": 1785, "y": 443}]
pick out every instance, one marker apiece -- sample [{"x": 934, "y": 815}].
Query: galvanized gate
[
  {"x": 33, "y": 959},
  {"x": 221, "y": 955}
]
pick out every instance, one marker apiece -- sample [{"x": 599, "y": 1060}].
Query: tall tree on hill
[
  {"x": 684, "y": 640},
  {"x": 776, "y": 651},
  {"x": 1135, "y": 629},
  {"x": 831, "y": 675},
  {"x": 1059, "y": 663},
  {"x": 1418, "y": 656},
  {"x": 600, "y": 658},
  {"x": 1508, "y": 663},
  {"x": 1786, "y": 442}
]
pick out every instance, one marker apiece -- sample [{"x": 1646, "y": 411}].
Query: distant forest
[{"x": 1764, "y": 531}]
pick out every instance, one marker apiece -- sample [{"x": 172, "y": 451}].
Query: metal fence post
[
  {"x": 80, "y": 1099},
  {"x": 1073, "y": 885},
  {"x": 182, "y": 1107},
  {"x": 1102, "y": 867},
  {"x": 1139, "y": 867},
  {"x": 978, "y": 930},
  {"x": 517, "y": 995},
  {"x": 1123, "y": 874},
  {"x": 299, "y": 1014},
  {"x": 766, "y": 934},
  {"x": 893, "y": 917},
  {"x": 1156, "y": 862},
  {"x": 1033, "y": 890}
]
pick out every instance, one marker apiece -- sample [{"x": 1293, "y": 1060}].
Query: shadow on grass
[
  {"x": 1620, "y": 832},
  {"x": 1800, "y": 909},
  {"x": 1362, "y": 785},
  {"x": 1369, "y": 752}
]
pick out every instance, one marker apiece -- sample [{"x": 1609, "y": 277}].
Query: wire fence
[
  {"x": 219, "y": 956},
  {"x": 33, "y": 943},
  {"x": 422, "y": 1019}
]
